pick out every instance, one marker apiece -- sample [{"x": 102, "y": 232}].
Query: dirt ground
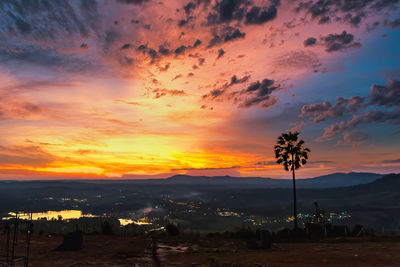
[{"x": 165, "y": 251}]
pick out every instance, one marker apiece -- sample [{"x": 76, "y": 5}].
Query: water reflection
[
  {"x": 70, "y": 214},
  {"x": 124, "y": 222},
  {"x": 51, "y": 215}
]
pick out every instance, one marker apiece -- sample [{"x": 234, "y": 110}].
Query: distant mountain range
[
  {"x": 325, "y": 181},
  {"x": 371, "y": 199}
]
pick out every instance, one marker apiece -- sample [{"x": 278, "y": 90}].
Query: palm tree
[{"x": 291, "y": 153}]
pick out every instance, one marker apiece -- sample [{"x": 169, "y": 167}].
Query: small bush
[
  {"x": 171, "y": 229},
  {"x": 106, "y": 228}
]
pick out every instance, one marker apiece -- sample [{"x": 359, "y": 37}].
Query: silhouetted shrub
[
  {"x": 316, "y": 231},
  {"x": 357, "y": 230},
  {"x": 338, "y": 231},
  {"x": 265, "y": 238},
  {"x": 72, "y": 241},
  {"x": 284, "y": 234},
  {"x": 252, "y": 244},
  {"x": 214, "y": 262},
  {"x": 171, "y": 229},
  {"x": 287, "y": 234},
  {"x": 216, "y": 234},
  {"x": 299, "y": 234},
  {"x": 106, "y": 228},
  {"x": 241, "y": 232}
]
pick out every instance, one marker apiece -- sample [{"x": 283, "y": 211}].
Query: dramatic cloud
[
  {"x": 13, "y": 156},
  {"x": 134, "y": 2},
  {"x": 197, "y": 43},
  {"x": 125, "y": 61},
  {"x": 321, "y": 111},
  {"x": 380, "y": 96},
  {"x": 392, "y": 24},
  {"x": 354, "y": 10},
  {"x": 369, "y": 116},
  {"x": 337, "y": 42},
  {"x": 354, "y": 138},
  {"x": 226, "y": 34},
  {"x": 152, "y": 86},
  {"x": 191, "y": 169},
  {"x": 316, "y": 109},
  {"x": 126, "y": 46},
  {"x": 258, "y": 93},
  {"x": 221, "y": 53},
  {"x": 257, "y": 15},
  {"x": 227, "y": 11},
  {"x": 180, "y": 50},
  {"x": 157, "y": 93},
  {"x": 310, "y": 41},
  {"x": 386, "y": 96},
  {"x": 29, "y": 18},
  {"x": 392, "y": 161},
  {"x": 46, "y": 57},
  {"x": 12, "y": 109},
  {"x": 354, "y": 20},
  {"x": 192, "y": 5},
  {"x": 220, "y": 91},
  {"x": 297, "y": 59}
]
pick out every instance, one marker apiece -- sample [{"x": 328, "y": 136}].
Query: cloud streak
[
  {"x": 387, "y": 96},
  {"x": 127, "y": 87}
]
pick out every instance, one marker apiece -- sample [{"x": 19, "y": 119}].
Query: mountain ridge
[
  {"x": 332, "y": 180},
  {"x": 324, "y": 181}
]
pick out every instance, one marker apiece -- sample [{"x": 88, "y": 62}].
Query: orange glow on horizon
[{"x": 112, "y": 104}]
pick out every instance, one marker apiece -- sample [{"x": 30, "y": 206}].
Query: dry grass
[{"x": 128, "y": 251}]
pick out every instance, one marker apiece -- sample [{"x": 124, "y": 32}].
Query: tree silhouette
[{"x": 291, "y": 153}]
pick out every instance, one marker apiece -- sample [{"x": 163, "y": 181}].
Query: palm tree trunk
[{"x": 294, "y": 197}]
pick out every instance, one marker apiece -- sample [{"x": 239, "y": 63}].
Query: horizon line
[{"x": 105, "y": 178}]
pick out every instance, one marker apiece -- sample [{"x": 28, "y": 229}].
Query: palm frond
[{"x": 290, "y": 151}]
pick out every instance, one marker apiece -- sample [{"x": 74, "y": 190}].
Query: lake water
[
  {"x": 124, "y": 222},
  {"x": 49, "y": 215},
  {"x": 66, "y": 215}
]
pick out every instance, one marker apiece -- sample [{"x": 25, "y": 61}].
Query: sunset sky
[{"x": 143, "y": 88}]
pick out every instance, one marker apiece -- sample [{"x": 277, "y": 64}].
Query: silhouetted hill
[
  {"x": 188, "y": 198},
  {"x": 225, "y": 180},
  {"x": 339, "y": 180},
  {"x": 388, "y": 183},
  {"x": 326, "y": 181}
]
